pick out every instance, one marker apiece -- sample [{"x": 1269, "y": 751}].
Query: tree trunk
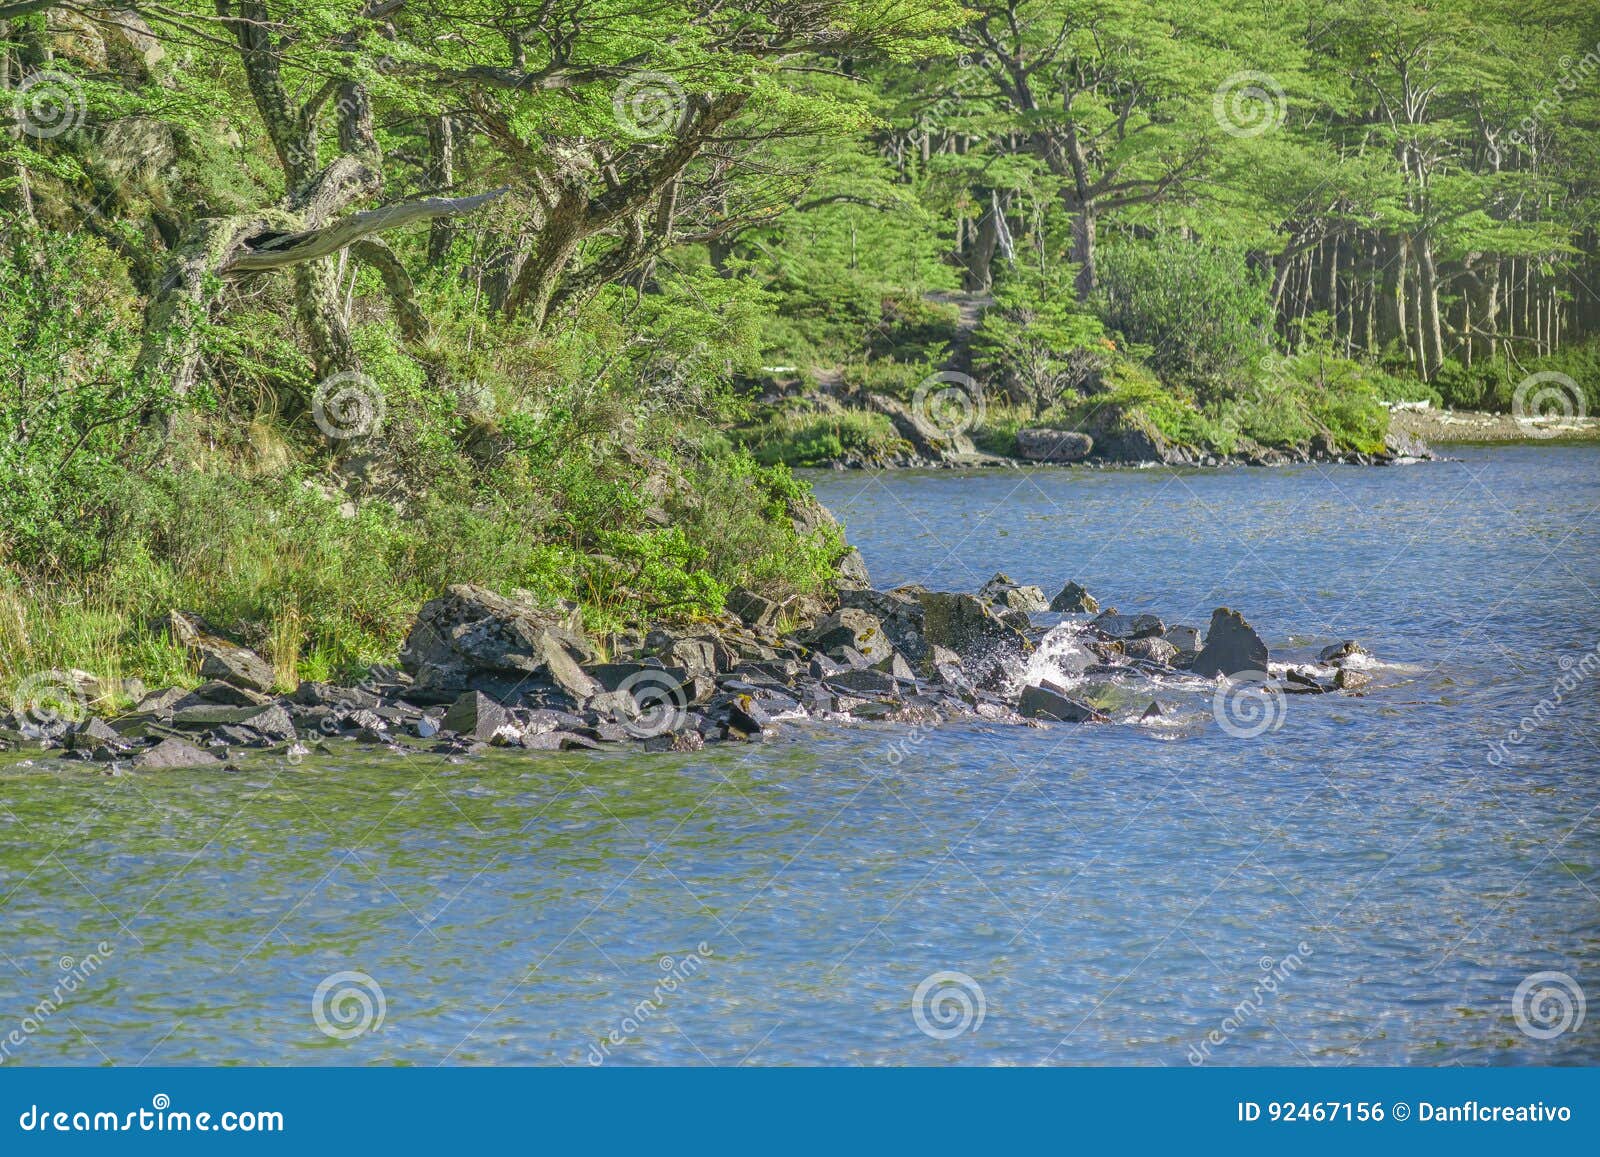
[
  {"x": 442, "y": 176},
  {"x": 321, "y": 317},
  {"x": 1083, "y": 251},
  {"x": 1431, "y": 335},
  {"x": 979, "y": 273}
]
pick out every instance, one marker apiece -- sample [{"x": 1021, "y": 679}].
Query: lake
[{"x": 1370, "y": 883}]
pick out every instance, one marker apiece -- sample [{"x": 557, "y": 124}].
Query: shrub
[{"x": 1203, "y": 313}]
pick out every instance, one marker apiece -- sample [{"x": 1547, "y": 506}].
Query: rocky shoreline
[
  {"x": 1116, "y": 437},
  {"x": 1476, "y": 426},
  {"x": 482, "y": 670}
]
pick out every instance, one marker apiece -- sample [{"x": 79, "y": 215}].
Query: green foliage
[
  {"x": 68, "y": 404},
  {"x": 1037, "y": 342},
  {"x": 1203, "y": 313},
  {"x": 798, "y": 438}
]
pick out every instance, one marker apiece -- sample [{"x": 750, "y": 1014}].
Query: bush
[
  {"x": 1203, "y": 313},
  {"x": 1036, "y": 343},
  {"x": 810, "y": 439}
]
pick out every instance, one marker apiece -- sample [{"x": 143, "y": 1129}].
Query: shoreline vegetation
[{"x": 309, "y": 313}]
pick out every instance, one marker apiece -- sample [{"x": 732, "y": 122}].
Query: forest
[{"x": 310, "y": 309}]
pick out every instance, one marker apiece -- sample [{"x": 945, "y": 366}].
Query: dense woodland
[{"x": 310, "y": 308}]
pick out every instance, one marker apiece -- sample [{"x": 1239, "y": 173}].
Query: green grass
[{"x": 798, "y": 438}]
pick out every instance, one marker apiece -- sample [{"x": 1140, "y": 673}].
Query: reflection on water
[{"x": 1360, "y": 886}]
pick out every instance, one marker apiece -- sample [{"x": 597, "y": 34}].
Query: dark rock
[
  {"x": 219, "y": 658},
  {"x": 236, "y": 665},
  {"x": 698, "y": 656},
  {"x": 759, "y": 612},
  {"x": 854, "y": 629},
  {"x": 1340, "y": 651},
  {"x": 1040, "y": 445},
  {"x": 1128, "y": 626},
  {"x": 475, "y": 714},
  {"x": 966, "y": 625},
  {"x": 271, "y": 720},
  {"x": 926, "y": 437},
  {"x": 898, "y": 612},
  {"x": 865, "y": 680},
  {"x": 1072, "y": 599},
  {"x": 851, "y": 659},
  {"x": 470, "y": 638},
  {"x": 1185, "y": 639},
  {"x": 614, "y": 676},
  {"x": 216, "y": 691},
  {"x": 1302, "y": 683},
  {"x": 234, "y": 735},
  {"x": 562, "y": 669},
  {"x": 1044, "y": 703},
  {"x": 170, "y": 754},
  {"x": 747, "y": 717},
  {"x": 1013, "y": 596},
  {"x": 311, "y": 694},
  {"x": 94, "y": 733},
  {"x": 161, "y": 702},
  {"x": 1151, "y": 650},
  {"x": 1231, "y": 647},
  {"x": 1401, "y": 445},
  {"x": 1349, "y": 679},
  {"x": 675, "y": 741},
  {"x": 361, "y": 719},
  {"x": 896, "y": 667},
  {"x": 559, "y": 741}
]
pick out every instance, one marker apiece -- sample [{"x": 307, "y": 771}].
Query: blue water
[{"x": 1362, "y": 886}]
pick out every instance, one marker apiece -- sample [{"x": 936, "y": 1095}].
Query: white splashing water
[{"x": 1056, "y": 660}]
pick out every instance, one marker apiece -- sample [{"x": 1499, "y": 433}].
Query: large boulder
[
  {"x": 1232, "y": 647},
  {"x": 898, "y": 612},
  {"x": 1115, "y": 626},
  {"x": 972, "y": 629},
  {"x": 471, "y": 639},
  {"x": 220, "y": 658},
  {"x": 475, "y": 715},
  {"x": 171, "y": 754},
  {"x": 756, "y": 611},
  {"x": 1072, "y": 599},
  {"x": 1051, "y": 703},
  {"x": 924, "y": 435},
  {"x": 1041, "y": 445},
  {"x": 1013, "y": 596},
  {"x": 851, "y": 628}
]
